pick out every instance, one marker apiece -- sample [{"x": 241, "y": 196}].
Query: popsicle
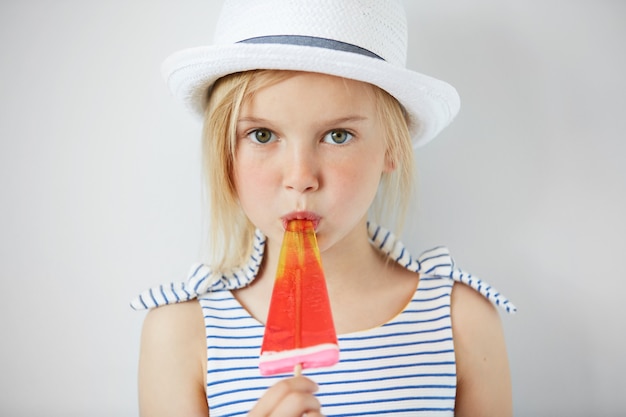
[{"x": 299, "y": 332}]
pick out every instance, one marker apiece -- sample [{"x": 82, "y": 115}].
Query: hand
[{"x": 291, "y": 397}]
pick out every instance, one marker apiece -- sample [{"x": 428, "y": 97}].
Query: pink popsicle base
[{"x": 319, "y": 356}]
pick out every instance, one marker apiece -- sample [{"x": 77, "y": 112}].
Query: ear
[{"x": 390, "y": 163}]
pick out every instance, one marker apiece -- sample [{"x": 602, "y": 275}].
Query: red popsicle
[{"x": 299, "y": 332}]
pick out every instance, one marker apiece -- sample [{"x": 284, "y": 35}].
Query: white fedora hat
[{"x": 364, "y": 40}]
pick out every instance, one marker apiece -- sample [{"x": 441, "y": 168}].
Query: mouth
[{"x": 301, "y": 215}]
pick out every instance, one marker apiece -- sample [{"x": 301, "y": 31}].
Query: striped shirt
[{"x": 403, "y": 367}]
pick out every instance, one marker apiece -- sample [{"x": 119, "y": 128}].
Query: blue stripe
[
  {"x": 153, "y": 299},
  {"x": 232, "y": 369},
  {"x": 186, "y": 292},
  {"x": 208, "y": 316},
  {"x": 430, "y": 258},
  {"x": 427, "y": 310},
  {"x": 199, "y": 282},
  {"x": 382, "y": 244},
  {"x": 230, "y": 347},
  {"x": 142, "y": 302},
  {"x": 235, "y": 391},
  {"x": 235, "y": 358},
  {"x": 431, "y": 278},
  {"x": 237, "y": 414},
  {"x": 237, "y": 279},
  {"x": 393, "y": 378},
  {"x": 388, "y": 368},
  {"x": 434, "y": 352},
  {"x": 213, "y": 326},
  {"x": 435, "y": 267},
  {"x": 387, "y": 400},
  {"x": 174, "y": 292},
  {"x": 196, "y": 271},
  {"x": 234, "y": 308},
  {"x": 234, "y": 402},
  {"x": 419, "y": 265},
  {"x": 392, "y": 335},
  {"x": 228, "y": 298},
  {"x": 425, "y": 386},
  {"x": 446, "y": 285},
  {"x": 415, "y": 322},
  {"x": 240, "y": 379},
  {"x": 312, "y": 41},
  {"x": 426, "y": 300},
  {"x": 224, "y": 337},
  {"x": 396, "y": 345},
  {"x": 403, "y": 410},
  {"x": 164, "y": 296},
  {"x": 375, "y": 235}
]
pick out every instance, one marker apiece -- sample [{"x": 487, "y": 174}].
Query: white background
[{"x": 101, "y": 194}]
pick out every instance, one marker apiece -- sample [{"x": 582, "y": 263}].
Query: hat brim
[{"x": 431, "y": 103}]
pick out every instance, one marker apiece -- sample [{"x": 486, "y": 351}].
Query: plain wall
[{"x": 101, "y": 190}]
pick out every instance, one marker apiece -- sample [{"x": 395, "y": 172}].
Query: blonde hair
[{"x": 230, "y": 233}]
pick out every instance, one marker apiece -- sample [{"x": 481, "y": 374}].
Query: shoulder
[
  {"x": 172, "y": 360},
  {"x": 471, "y": 310},
  {"x": 175, "y": 325},
  {"x": 484, "y": 386}
]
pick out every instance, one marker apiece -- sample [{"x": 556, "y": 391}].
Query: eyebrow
[{"x": 340, "y": 120}]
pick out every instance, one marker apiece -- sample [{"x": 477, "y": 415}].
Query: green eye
[
  {"x": 338, "y": 137},
  {"x": 261, "y": 135}
]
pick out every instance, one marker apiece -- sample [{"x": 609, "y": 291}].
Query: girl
[{"x": 309, "y": 112}]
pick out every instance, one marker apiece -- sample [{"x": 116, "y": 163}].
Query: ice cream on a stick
[{"x": 299, "y": 332}]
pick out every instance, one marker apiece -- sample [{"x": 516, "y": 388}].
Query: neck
[{"x": 352, "y": 263}]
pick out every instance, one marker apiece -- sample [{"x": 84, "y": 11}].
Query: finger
[
  {"x": 297, "y": 404},
  {"x": 313, "y": 414},
  {"x": 275, "y": 394}
]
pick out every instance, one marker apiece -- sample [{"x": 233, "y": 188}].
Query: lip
[{"x": 301, "y": 215}]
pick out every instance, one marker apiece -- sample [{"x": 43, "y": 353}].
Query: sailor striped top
[{"x": 403, "y": 367}]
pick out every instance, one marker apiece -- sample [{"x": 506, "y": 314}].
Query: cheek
[
  {"x": 358, "y": 181},
  {"x": 251, "y": 181},
  {"x": 243, "y": 185}
]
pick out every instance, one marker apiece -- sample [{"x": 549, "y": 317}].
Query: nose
[{"x": 301, "y": 170}]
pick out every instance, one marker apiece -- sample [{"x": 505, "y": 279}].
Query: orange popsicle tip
[
  {"x": 296, "y": 220},
  {"x": 299, "y": 225},
  {"x": 299, "y": 329}
]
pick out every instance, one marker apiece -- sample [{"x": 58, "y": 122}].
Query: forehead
[{"x": 320, "y": 93}]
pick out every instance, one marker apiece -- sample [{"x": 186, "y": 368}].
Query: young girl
[{"x": 310, "y": 113}]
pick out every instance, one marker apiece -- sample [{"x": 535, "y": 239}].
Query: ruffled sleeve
[
  {"x": 434, "y": 263},
  {"x": 202, "y": 279}
]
